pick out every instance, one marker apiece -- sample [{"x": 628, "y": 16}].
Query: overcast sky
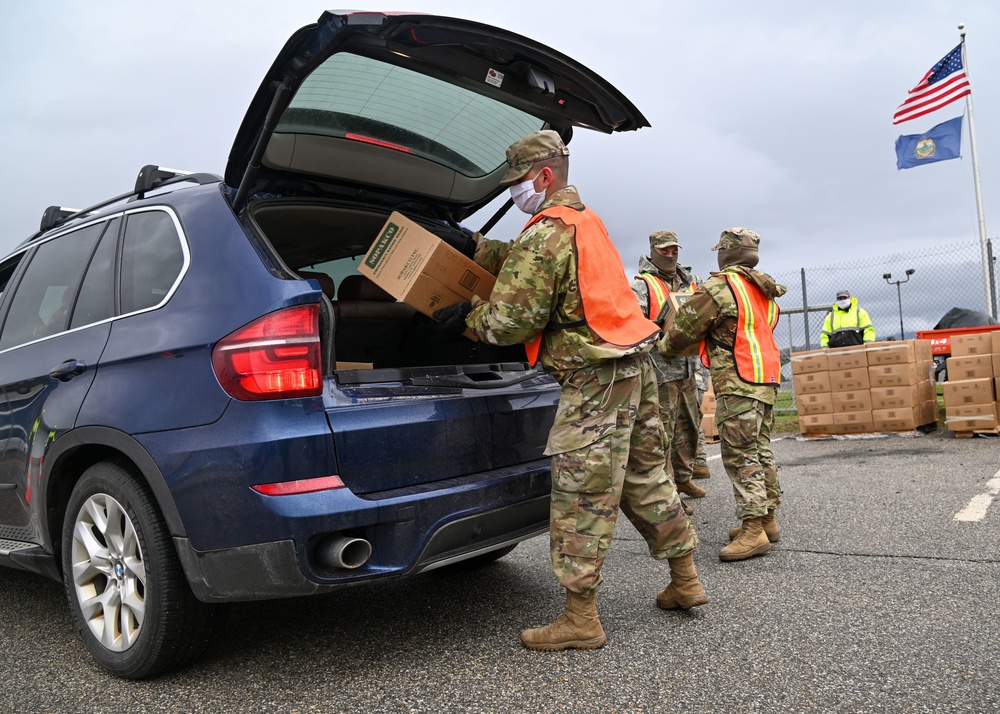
[{"x": 775, "y": 115}]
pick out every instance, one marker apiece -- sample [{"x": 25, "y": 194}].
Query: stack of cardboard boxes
[
  {"x": 878, "y": 387},
  {"x": 970, "y": 393},
  {"x": 708, "y": 415}
]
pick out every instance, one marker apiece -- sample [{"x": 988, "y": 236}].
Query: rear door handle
[{"x": 68, "y": 369}]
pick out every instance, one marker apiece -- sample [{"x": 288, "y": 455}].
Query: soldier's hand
[{"x": 451, "y": 319}]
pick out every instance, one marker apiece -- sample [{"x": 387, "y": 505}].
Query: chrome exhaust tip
[{"x": 339, "y": 551}]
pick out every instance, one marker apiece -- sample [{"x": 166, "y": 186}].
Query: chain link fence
[{"x": 930, "y": 283}]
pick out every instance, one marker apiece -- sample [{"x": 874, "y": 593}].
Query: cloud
[{"x": 775, "y": 115}]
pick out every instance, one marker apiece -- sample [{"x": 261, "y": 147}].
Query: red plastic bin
[{"x": 941, "y": 339}]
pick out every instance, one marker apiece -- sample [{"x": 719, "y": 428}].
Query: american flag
[{"x": 943, "y": 84}]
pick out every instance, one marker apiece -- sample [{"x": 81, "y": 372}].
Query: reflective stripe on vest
[
  {"x": 758, "y": 360},
  {"x": 657, "y": 295},
  {"x": 658, "y": 291},
  {"x": 603, "y": 285}
]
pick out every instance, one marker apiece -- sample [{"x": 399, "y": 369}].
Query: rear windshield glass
[{"x": 366, "y": 100}]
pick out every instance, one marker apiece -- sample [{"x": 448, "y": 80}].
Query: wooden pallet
[
  {"x": 924, "y": 428},
  {"x": 985, "y": 432}
]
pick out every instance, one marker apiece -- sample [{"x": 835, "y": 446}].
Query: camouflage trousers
[
  {"x": 680, "y": 411},
  {"x": 607, "y": 448},
  {"x": 700, "y": 459},
  {"x": 745, "y": 432}
]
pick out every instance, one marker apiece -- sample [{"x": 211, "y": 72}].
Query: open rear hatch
[{"x": 419, "y": 106}]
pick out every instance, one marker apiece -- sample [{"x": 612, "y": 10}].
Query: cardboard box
[
  {"x": 978, "y": 343},
  {"x": 909, "y": 395},
  {"x": 896, "y": 397},
  {"x": 819, "y": 403},
  {"x": 996, "y": 363},
  {"x": 708, "y": 403},
  {"x": 853, "y": 423},
  {"x": 418, "y": 268},
  {"x": 899, "y": 419},
  {"x": 971, "y": 366},
  {"x": 895, "y": 375},
  {"x": 855, "y": 401},
  {"x": 901, "y": 352},
  {"x": 849, "y": 379},
  {"x": 847, "y": 357},
  {"x": 971, "y": 417},
  {"x": 928, "y": 412},
  {"x": 811, "y": 383},
  {"x": 816, "y": 423},
  {"x": 810, "y": 361},
  {"x": 669, "y": 313},
  {"x": 709, "y": 428},
  {"x": 995, "y": 339},
  {"x": 355, "y": 365},
  {"x": 962, "y": 393}
]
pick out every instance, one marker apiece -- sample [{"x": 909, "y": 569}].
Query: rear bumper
[
  {"x": 238, "y": 544},
  {"x": 286, "y": 568}
]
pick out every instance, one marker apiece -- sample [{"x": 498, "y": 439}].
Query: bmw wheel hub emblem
[{"x": 119, "y": 570}]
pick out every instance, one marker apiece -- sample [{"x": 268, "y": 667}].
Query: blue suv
[{"x": 203, "y": 401}]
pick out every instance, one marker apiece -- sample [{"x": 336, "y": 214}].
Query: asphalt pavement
[{"x": 877, "y": 599}]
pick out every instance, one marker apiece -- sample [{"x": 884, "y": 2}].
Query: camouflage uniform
[
  {"x": 701, "y": 378},
  {"x": 607, "y": 443},
  {"x": 680, "y": 407},
  {"x": 744, "y": 413}
]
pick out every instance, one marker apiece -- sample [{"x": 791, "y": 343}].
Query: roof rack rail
[
  {"x": 156, "y": 177},
  {"x": 152, "y": 176},
  {"x": 54, "y": 215}
]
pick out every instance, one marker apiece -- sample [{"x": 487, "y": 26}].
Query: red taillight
[
  {"x": 290, "y": 488},
  {"x": 275, "y": 357}
]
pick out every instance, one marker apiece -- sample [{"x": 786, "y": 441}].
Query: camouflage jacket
[
  {"x": 711, "y": 312},
  {"x": 537, "y": 289},
  {"x": 667, "y": 370}
]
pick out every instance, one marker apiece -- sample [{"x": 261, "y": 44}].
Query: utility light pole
[{"x": 899, "y": 296}]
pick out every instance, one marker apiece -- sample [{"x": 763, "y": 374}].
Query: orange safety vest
[
  {"x": 758, "y": 360},
  {"x": 658, "y": 292},
  {"x": 615, "y": 320}
]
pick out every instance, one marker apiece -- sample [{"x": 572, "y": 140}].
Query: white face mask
[
  {"x": 844, "y": 304},
  {"x": 526, "y": 197}
]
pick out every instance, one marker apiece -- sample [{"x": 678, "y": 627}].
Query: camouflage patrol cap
[
  {"x": 526, "y": 151},
  {"x": 737, "y": 238},
  {"x": 662, "y": 239}
]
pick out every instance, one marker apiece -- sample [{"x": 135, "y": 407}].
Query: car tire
[{"x": 127, "y": 593}]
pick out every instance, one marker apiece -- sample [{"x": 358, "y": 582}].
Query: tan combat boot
[
  {"x": 578, "y": 628},
  {"x": 701, "y": 471},
  {"x": 690, "y": 489},
  {"x": 770, "y": 525},
  {"x": 685, "y": 590},
  {"x": 750, "y": 541}
]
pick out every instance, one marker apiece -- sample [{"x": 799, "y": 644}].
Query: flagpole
[{"x": 979, "y": 191}]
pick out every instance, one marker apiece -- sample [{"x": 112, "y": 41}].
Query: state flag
[{"x": 939, "y": 143}]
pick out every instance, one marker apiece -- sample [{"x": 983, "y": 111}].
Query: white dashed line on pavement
[{"x": 976, "y": 509}]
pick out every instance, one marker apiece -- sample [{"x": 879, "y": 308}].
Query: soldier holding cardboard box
[
  {"x": 659, "y": 276},
  {"x": 562, "y": 290},
  {"x": 733, "y": 314}
]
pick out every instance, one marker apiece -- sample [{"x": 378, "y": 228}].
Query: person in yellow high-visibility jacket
[{"x": 846, "y": 324}]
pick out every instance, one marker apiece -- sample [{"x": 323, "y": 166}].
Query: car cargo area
[{"x": 371, "y": 330}]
